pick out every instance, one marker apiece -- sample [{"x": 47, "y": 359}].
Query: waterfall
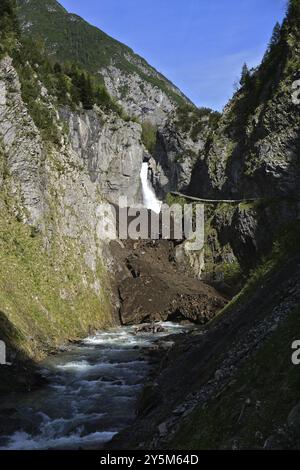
[{"x": 149, "y": 198}]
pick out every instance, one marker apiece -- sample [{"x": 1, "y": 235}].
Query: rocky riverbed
[{"x": 90, "y": 390}]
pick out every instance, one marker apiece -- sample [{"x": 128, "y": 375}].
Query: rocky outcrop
[
  {"x": 250, "y": 229},
  {"x": 174, "y": 158},
  {"x": 138, "y": 97},
  {"x": 254, "y": 151},
  {"x": 111, "y": 151},
  {"x": 23, "y": 147},
  {"x": 260, "y": 160}
]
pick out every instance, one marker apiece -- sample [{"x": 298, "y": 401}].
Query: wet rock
[
  {"x": 149, "y": 399},
  {"x": 294, "y": 420},
  {"x": 166, "y": 345},
  {"x": 151, "y": 328},
  {"x": 163, "y": 429}
]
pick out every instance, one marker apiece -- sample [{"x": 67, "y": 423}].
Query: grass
[
  {"x": 268, "y": 381},
  {"x": 46, "y": 296},
  {"x": 286, "y": 245}
]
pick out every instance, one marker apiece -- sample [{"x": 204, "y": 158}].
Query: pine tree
[
  {"x": 7, "y": 8},
  {"x": 276, "y": 35},
  {"x": 293, "y": 12},
  {"x": 86, "y": 91},
  {"x": 293, "y": 5},
  {"x": 274, "y": 41},
  {"x": 245, "y": 77},
  {"x": 9, "y": 25},
  {"x": 57, "y": 68}
]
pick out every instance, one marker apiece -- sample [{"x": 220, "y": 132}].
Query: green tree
[
  {"x": 276, "y": 35},
  {"x": 293, "y": 6},
  {"x": 62, "y": 88},
  {"x": 86, "y": 91},
  {"x": 274, "y": 41},
  {"x": 149, "y": 135},
  {"x": 9, "y": 25},
  {"x": 245, "y": 76},
  {"x": 8, "y": 10},
  {"x": 57, "y": 68}
]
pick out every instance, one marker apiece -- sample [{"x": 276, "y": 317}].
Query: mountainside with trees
[
  {"x": 68, "y": 38},
  {"x": 75, "y": 130}
]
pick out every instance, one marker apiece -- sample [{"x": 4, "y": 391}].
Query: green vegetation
[
  {"x": 251, "y": 408},
  {"x": 196, "y": 121},
  {"x": 149, "y": 136},
  {"x": 46, "y": 296},
  {"x": 9, "y": 26},
  {"x": 65, "y": 84},
  {"x": 171, "y": 199},
  {"x": 69, "y": 38},
  {"x": 43, "y": 299},
  {"x": 286, "y": 245},
  {"x": 245, "y": 77},
  {"x": 228, "y": 418},
  {"x": 41, "y": 112},
  {"x": 278, "y": 66}
]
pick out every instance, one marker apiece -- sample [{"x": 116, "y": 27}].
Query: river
[{"x": 91, "y": 393}]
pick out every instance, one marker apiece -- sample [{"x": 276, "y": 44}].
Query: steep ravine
[
  {"x": 228, "y": 383},
  {"x": 236, "y": 387}
]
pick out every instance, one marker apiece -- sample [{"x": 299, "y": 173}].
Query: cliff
[{"x": 54, "y": 282}]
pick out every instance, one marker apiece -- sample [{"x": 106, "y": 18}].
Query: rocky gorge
[{"x": 74, "y": 137}]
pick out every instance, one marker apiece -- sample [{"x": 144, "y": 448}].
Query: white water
[
  {"x": 149, "y": 197},
  {"x": 91, "y": 396}
]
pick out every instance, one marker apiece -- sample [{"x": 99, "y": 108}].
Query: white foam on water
[
  {"x": 149, "y": 198},
  {"x": 80, "y": 366},
  {"x": 24, "y": 441},
  {"x": 108, "y": 338},
  {"x": 72, "y": 401}
]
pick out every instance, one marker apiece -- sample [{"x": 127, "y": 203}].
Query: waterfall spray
[{"x": 149, "y": 198}]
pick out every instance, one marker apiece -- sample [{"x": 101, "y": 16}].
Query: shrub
[{"x": 149, "y": 135}]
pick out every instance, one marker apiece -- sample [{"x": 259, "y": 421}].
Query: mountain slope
[
  {"x": 141, "y": 90},
  {"x": 255, "y": 150}
]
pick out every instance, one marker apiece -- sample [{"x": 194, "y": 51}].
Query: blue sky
[{"x": 200, "y": 45}]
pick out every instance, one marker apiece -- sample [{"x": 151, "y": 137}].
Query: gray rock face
[
  {"x": 111, "y": 150},
  {"x": 173, "y": 159},
  {"x": 49, "y": 187},
  {"x": 254, "y": 154},
  {"x": 138, "y": 97},
  {"x": 250, "y": 229},
  {"x": 24, "y": 151}
]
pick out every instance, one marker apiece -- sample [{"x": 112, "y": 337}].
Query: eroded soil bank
[{"x": 152, "y": 287}]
